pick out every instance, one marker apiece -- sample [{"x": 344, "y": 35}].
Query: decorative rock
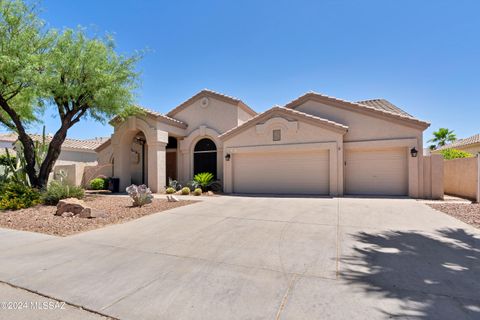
[
  {"x": 72, "y": 206},
  {"x": 67, "y": 214},
  {"x": 172, "y": 199},
  {"x": 210, "y": 193}
]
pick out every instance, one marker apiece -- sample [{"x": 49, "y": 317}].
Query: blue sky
[{"x": 421, "y": 55}]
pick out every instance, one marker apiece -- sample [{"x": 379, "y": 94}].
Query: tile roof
[
  {"x": 382, "y": 104},
  {"x": 394, "y": 113},
  {"x": 87, "y": 144},
  {"x": 214, "y": 94},
  {"x": 462, "y": 142},
  {"x": 156, "y": 115},
  {"x": 283, "y": 110}
]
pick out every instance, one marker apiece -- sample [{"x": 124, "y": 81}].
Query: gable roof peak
[{"x": 214, "y": 94}]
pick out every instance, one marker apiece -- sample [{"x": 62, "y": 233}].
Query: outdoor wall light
[
  {"x": 227, "y": 157},
  {"x": 414, "y": 152}
]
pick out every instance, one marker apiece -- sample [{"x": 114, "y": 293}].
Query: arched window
[{"x": 205, "y": 157}]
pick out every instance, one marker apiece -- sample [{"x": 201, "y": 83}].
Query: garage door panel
[
  {"x": 281, "y": 172},
  {"x": 376, "y": 172}
]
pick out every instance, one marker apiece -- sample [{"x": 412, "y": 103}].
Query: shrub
[
  {"x": 141, "y": 195},
  {"x": 58, "y": 190},
  {"x": 185, "y": 191},
  {"x": 16, "y": 196},
  {"x": 204, "y": 179},
  {"x": 449, "y": 154},
  {"x": 170, "y": 190},
  {"x": 99, "y": 184},
  {"x": 197, "y": 192},
  {"x": 174, "y": 184}
]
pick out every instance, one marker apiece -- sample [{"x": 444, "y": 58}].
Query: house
[
  {"x": 315, "y": 144},
  {"x": 470, "y": 145},
  {"x": 74, "y": 156}
]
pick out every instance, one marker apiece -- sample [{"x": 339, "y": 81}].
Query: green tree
[
  {"x": 442, "y": 136},
  {"x": 79, "y": 76}
]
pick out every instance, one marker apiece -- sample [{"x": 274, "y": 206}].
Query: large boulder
[{"x": 71, "y": 207}]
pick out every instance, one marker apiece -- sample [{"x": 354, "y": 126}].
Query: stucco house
[
  {"x": 315, "y": 144},
  {"x": 75, "y": 154},
  {"x": 470, "y": 145}
]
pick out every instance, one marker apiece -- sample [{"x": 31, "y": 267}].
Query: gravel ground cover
[
  {"x": 467, "y": 212},
  {"x": 118, "y": 209}
]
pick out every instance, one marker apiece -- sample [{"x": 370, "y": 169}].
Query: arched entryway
[
  {"x": 205, "y": 157},
  {"x": 139, "y": 159},
  {"x": 171, "y": 159}
]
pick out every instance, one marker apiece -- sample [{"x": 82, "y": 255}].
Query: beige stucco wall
[
  {"x": 433, "y": 176},
  {"x": 473, "y": 148},
  {"x": 297, "y": 136},
  {"x": 461, "y": 177},
  {"x": 218, "y": 115},
  {"x": 373, "y": 131}
]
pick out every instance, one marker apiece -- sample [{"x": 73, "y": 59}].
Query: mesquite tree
[{"x": 76, "y": 75}]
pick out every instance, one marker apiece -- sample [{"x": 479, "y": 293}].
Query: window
[{"x": 277, "y": 135}]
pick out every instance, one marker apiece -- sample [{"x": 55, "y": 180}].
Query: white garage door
[
  {"x": 291, "y": 172},
  {"x": 376, "y": 172}
]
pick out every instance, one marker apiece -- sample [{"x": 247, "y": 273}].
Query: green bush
[
  {"x": 99, "y": 184},
  {"x": 449, "y": 154},
  {"x": 170, "y": 190},
  {"x": 185, "y": 191},
  {"x": 16, "y": 196},
  {"x": 197, "y": 192},
  {"x": 57, "y": 191},
  {"x": 204, "y": 179}
]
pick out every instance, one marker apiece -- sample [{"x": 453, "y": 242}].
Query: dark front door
[{"x": 205, "y": 157}]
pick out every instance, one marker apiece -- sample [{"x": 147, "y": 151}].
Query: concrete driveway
[{"x": 261, "y": 258}]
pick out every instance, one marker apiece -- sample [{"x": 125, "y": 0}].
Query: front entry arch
[{"x": 205, "y": 157}]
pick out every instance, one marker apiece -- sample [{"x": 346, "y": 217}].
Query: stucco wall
[
  {"x": 433, "y": 176},
  {"x": 360, "y": 126},
  {"x": 296, "y": 134},
  {"x": 461, "y": 177},
  {"x": 473, "y": 149},
  {"x": 217, "y": 115},
  {"x": 77, "y": 156}
]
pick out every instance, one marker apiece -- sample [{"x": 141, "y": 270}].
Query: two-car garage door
[
  {"x": 367, "y": 172},
  {"x": 285, "y": 172},
  {"x": 376, "y": 172}
]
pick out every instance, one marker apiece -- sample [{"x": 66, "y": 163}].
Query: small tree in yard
[{"x": 80, "y": 77}]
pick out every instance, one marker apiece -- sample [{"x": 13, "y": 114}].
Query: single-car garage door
[
  {"x": 376, "y": 172},
  {"x": 289, "y": 172}
]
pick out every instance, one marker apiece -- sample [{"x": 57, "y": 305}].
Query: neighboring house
[
  {"x": 470, "y": 145},
  {"x": 74, "y": 156},
  {"x": 313, "y": 145}
]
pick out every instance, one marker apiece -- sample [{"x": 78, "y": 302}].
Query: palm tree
[{"x": 442, "y": 137}]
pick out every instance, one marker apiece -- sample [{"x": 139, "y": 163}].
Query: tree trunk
[
  {"x": 54, "y": 149},
  {"x": 25, "y": 139}
]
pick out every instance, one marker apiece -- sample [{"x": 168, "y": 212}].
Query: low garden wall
[{"x": 461, "y": 178}]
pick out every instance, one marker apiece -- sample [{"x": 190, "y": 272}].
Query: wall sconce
[
  {"x": 227, "y": 157},
  {"x": 413, "y": 152}
]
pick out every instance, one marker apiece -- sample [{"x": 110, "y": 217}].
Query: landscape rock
[
  {"x": 72, "y": 206},
  {"x": 172, "y": 199},
  {"x": 210, "y": 193}
]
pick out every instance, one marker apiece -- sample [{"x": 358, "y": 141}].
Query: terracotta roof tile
[
  {"x": 462, "y": 142},
  {"x": 394, "y": 113},
  {"x": 385, "y": 105},
  {"x": 87, "y": 144}
]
